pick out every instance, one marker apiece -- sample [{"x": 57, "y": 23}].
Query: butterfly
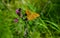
[{"x": 31, "y": 15}]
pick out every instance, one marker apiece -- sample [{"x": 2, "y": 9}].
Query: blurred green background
[{"x": 45, "y": 26}]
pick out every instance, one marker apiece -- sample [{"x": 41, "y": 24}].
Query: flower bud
[
  {"x": 18, "y": 12},
  {"x": 16, "y": 20}
]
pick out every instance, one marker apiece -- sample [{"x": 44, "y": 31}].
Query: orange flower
[{"x": 31, "y": 16}]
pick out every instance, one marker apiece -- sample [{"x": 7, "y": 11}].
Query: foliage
[{"x": 45, "y": 26}]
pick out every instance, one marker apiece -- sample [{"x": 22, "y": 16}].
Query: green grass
[{"x": 45, "y": 26}]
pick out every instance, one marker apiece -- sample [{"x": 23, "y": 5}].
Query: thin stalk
[{"x": 26, "y": 30}]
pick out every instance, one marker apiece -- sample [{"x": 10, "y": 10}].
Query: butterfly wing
[
  {"x": 33, "y": 16},
  {"x": 28, "y": 12}
]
